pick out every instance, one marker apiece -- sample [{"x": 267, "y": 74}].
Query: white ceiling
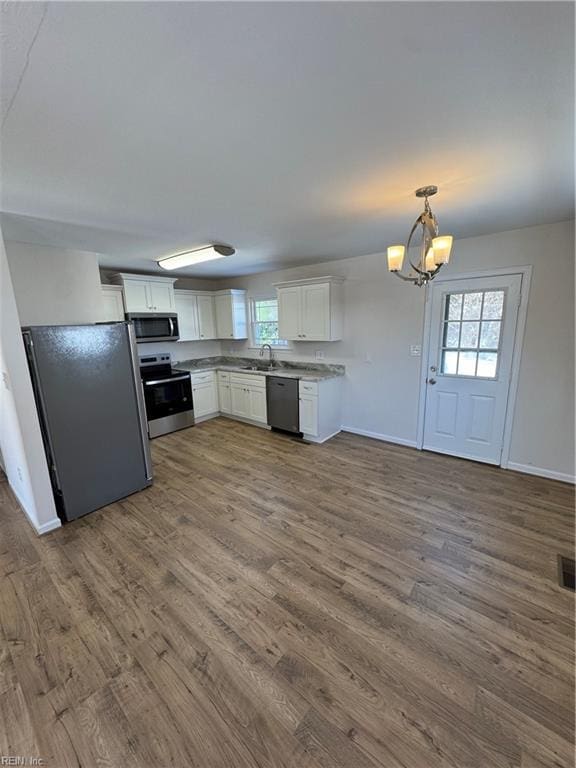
[{"x": 295, "y": 132}]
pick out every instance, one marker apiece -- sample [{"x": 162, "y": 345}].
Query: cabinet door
[
  {"x": 309, "y": 415},
  {"x": 137, "y": 296},
  {"x": 206, "y": 318},
  {"x": 187, "y": 310},
  {"x": 224, "y": 397},
  {"x": 315, "y": 312},
  {"x": 240, "y": 403},
  {"x": 257, "y": 404},
  {"x": 289, "y": 300},
  {"x": 112, "y": 304},
  {"x": 162, "y": 296},
  {"x": 224, "y": 320},
  {"x": 204, "y": 397}
]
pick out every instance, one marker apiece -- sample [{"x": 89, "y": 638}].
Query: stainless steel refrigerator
[{"x": 88, "y": 393}]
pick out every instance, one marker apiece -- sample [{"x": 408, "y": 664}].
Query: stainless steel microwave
[{"x": 154, "y": 326}]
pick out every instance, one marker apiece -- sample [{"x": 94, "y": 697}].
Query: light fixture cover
[
  {"x": 395, "y": 257},
  {"x": 430, "y": 261},
  {"x": 187, "y": 258},
  {"x": 442, "y": 246}
]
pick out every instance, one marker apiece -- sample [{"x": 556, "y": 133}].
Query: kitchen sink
[{"x": 258, "y": 368}]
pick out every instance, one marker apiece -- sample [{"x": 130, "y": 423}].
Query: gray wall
[{"x": 383, "y": 317}]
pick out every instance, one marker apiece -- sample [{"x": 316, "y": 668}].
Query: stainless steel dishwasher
[{"x": 283, "y": 404}]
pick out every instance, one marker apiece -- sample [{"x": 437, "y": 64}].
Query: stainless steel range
[{"x": 167, "y": 393}]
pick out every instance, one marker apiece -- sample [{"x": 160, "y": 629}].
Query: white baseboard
[
  {"x": 380, "y": 436},
  {"x": 528, "y": 469},
  {"x": 51, "y": 525},
  {"x": 312, "y": 439}
]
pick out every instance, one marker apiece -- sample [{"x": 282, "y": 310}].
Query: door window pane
[
  {"x": 467, "y": 364},
  {"x": 493, "y": 305},
  {"x": 490, "y": 334},
  {"x": 449, "y": 362},
  {"x": 472, "y": 306},
  {"x": 471, "y": 333},
  {"x": 454, "y": 306},
  {"x": 451, "y": 334},
  {"x": 487, "y": 362}
]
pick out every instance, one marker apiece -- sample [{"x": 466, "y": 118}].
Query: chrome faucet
[{"x": 271, "y": 360}]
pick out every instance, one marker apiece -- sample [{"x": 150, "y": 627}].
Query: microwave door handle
[{"x": 171, "y": 321}]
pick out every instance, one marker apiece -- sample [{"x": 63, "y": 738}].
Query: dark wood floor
[{"x": 268, "y": 603}]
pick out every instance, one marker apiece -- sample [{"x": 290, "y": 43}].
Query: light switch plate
[
  {"x": 415, "y": 350},
  {"x": 320, "y": 354}
]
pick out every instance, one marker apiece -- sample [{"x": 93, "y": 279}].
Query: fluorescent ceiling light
[{"x": 186, "y": 259}]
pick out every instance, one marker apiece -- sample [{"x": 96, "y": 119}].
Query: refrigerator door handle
[
  {"x": 41, "y": 408},
  {"x": 140, "y": 400}
]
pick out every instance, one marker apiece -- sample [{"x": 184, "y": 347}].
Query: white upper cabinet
[
  {"x": 311, "y": 310},
  {"x": 196, "y": 318},
  {"x": 137, "y": 296},
  {"x": 162, "y": 296},
  {"x": 289, "y": 301},
  {"x": 112, "y": 303},
  {"x": 143, "y": 293},
  {"x": 206, "y": 316},
  {"x": 187, "y": 310},
  {"x": 231, "y": 320}
]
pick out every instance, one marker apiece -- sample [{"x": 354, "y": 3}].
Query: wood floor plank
[{"x": 272, "y": 604}]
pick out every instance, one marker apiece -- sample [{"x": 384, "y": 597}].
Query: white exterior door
[{"x": 472, "y": 336}]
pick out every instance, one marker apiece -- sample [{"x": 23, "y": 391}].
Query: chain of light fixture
[{"x": 434, "y": 249}]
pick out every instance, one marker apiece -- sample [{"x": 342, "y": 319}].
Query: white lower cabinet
[
  {"x": 204, "y": 394},
  {"x": 224, "y": 393},
  {"x": 320, "y": 409},
  {"x": 243, "y": 396},
  {"x": 257, "y": 404},
  {"x": 309, "y": 415},
  {"x": 248, "y": 397}
]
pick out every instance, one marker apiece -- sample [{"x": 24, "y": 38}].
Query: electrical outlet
[
  {"x": 415, "y": 350},
  {"x": 320, "y": 354},
  {"x": 20, "y": 475}
]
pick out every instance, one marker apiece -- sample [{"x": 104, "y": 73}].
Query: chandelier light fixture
[{"x": 434, "y": 249}]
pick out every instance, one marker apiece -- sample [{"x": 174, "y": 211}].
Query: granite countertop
[{"x": 289, "y": 370}]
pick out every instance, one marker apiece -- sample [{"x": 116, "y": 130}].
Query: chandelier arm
[{"x": 414, "y": 267}]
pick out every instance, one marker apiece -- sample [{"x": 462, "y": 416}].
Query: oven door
[
  {"x": 167, "y": 397},
  {"x": 155, "y": 326}
]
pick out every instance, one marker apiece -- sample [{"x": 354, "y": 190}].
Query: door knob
[{"x": 431, "y": 381}]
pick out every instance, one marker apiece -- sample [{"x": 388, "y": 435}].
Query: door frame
[{"x": 525, "y": 273}]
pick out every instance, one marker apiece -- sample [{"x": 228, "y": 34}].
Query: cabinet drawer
[
  {"x": 309, "y": 387},
  {"x": 223, "y": 377},
  {"x": 203, "y": 378},
  {"x": 247, "y": 380}
]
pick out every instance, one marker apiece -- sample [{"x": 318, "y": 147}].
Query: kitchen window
[{"x": 264, "y": 323}]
